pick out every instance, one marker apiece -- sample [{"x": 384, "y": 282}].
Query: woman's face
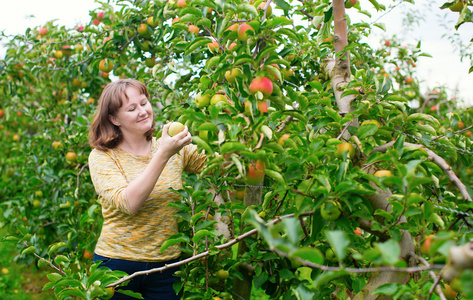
[{"x": 135, "y": 116}]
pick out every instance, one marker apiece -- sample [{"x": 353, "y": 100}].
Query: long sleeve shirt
[{"x": 139, "y": 236}]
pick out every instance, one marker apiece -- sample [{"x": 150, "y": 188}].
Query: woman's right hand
[{"x": 172, "y": 145}]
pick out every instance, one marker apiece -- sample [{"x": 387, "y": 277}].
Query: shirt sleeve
[
  {"x": 108, "y": 180},
  {"x": 193, "y": 161}
]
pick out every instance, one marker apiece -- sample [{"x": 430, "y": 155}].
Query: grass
[{"x": 18, "y": 281}]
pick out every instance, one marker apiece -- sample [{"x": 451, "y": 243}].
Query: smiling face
[{"x": 135, "y": 116}]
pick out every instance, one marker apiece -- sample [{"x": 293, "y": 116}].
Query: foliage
[{"x": 50, "y": 85}]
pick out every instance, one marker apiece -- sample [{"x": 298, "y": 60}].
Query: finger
[
  {"x": 182, "y": 134},
  {"x": 165, "y": 129}
]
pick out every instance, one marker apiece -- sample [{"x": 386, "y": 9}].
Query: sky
[{"x": 443, "y": 69}]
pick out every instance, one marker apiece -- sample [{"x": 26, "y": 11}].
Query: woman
[{"x": 132, "y": 173}]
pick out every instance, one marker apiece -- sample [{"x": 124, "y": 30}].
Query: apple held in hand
[{"x": 175, "y": 128}]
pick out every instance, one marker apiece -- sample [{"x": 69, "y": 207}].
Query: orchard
[{"x": 330, "y": 175}]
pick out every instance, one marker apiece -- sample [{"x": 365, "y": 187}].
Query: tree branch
[
  {"x": 438, "y": 160},
  {"x": 205, "y": 253}
]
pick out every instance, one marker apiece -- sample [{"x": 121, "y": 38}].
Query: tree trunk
[
  {"x": 242, "y": 288},
  {"x": 339, "y": 72}
]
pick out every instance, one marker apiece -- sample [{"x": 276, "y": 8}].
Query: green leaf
[
  {"x": 279, "y": 21},
  {"x": 425, "y": 118},
  {"x": 206, "y": 3},
  {"x": 203, "y": 144},
  {"x": 174, "y": 239},
  {"x": 232, "y": 147},
  {"x": 129, "y": 292},
  {"x": 189, "y": 18},
  {"x": 30, "y": 249},
  {"x": 202, "y": 233},
  {"x": 276, "y": 176},
  {"x": 53, "y": 248},
  {"x": 275, "y": 147},
  {"x": 191, "y": 10},
  {"x": 339, "y": 242},
  {"x": 10, "y": 238},
  {"x": 53, "y": 277},
  {"x": 248, "y": 8},
  {"x": 310, "y": 254},
  {"x": 386, "y": 289},
  {"x": 68, "y": 282},
  {"x": 196, "y": 44},
  {"x": 289, "y": 33},
  {"x": 390, "y": 251},
  {"x": 207, "y": 126},
  {"x": 282, "y": 4},
  {"x": 367, "y": 130},
  {"x": 71, "y": 292},
  {"x": 60, "y": 258}
]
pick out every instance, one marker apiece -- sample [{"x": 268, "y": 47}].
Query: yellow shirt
[{"x": 138, "y": 237}]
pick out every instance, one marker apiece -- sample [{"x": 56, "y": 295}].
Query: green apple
[
  {"x": 175, "y": 128},
  {"x": 218, "y": 98},
  {"x": 330, "y": 210},
  {"x": 202, "y": 101}
]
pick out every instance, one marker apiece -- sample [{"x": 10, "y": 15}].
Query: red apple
[
  {"x": 242, "y": 32},
  {"x": 100, "y": 15},
  {"x": 214, "y": 46},
  {"x": 350, "y": 3},
  {"x": 144, "y": 31},
  {"x": 150, "y": 21},
  {"x": 194, "y": 29},
  {"x": 262, "y": 107},
  {"x": 282, "y": 138},
  {"x": 269, "y": 11},
  {"x": 255, "y": 172},
  {"x": 409, "y": 80},
  {"x": 96, "y": 22},
  {"x": 43, "y": 31},
  {"x": 233, "y": 27},
  {"x": 263, "y": 85},
  {"x": 106, "y": 65},
  {"x": 181, "y": 3}
]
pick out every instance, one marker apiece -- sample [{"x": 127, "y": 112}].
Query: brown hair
[{"x": 103, "y": 134}]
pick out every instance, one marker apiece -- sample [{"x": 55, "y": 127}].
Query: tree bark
[{"x": 242, "y": 288}]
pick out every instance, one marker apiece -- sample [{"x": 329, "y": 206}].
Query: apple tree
[{"x": 329, "y": 173}]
